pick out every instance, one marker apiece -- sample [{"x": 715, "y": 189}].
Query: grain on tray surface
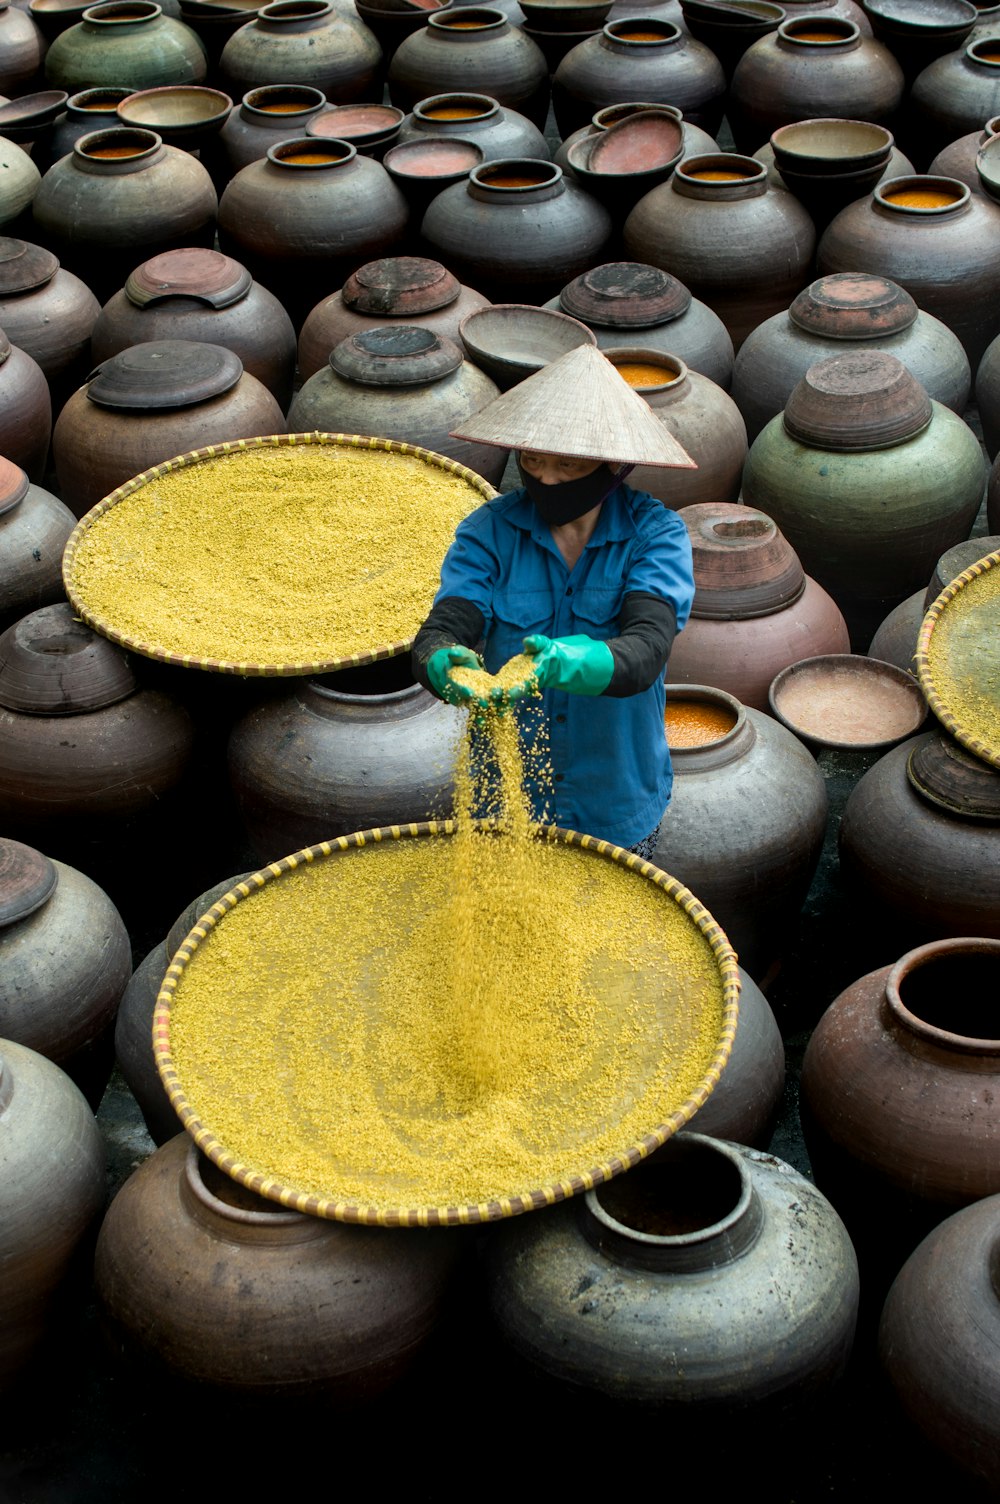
[
  {"x": 447, "y": 1020},
  {"x": 280, "y": 554},
  {"x": 964, "y": 656}
]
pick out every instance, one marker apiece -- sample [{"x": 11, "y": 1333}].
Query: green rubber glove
[
  {"x": 580, "y": 665},
  {"x": 439, "y": 667}
]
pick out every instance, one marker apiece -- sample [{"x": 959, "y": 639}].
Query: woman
[{"x": 590, "y": 577}]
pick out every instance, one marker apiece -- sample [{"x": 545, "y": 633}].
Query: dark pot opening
[
  {"x": 688, "y": 1188},
  {"x": 957, "y": 993}
]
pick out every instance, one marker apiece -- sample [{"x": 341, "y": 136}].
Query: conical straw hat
[{"x": 578, "y": 405}]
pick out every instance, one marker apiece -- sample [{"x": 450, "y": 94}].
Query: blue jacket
[{"x": 611, "y": 766}]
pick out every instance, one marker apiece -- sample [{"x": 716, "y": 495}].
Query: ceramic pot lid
[
  {"x": 164, "y": 373},
  {"x": 193, "y": 272},
  {"x": 398, "y": 355},
  {"x": 744, "y": 567},
  {"x": 14, "y": 485},
  {"x": 24, "y": 266},
  {"x": 400, "y": 287},
  {"x": 625, "y": 295},
  {"x": 858, "y": 401},
  {"x": 53, "y": 664},
  {"x": 27, "y": 880},
  {"x": 853, "y": 305},
  {"x": 944, "y": 774}
]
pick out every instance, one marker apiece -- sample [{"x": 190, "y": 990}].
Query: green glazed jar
[
  {"x": 869, "y": 480},
  {"x": 130, "y": 40}
]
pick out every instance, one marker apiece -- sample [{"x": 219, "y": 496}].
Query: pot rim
[{"x": 920, "y": 955}]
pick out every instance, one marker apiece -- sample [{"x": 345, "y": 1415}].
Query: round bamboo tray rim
[{"x": 961, "y": 728}]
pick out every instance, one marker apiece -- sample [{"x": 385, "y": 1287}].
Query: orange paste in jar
[
  {"x": 638, "y": 373},
  {"x": 693, "y": 723},
  {"x": 511, "y": 180},
  {"x": 993, "y": 56},
  {"x": 718, "y": 175},
  {"x": 467, "y": 25},
  {"x": 819, "y": 36},
  {"x": 291, "y": 108},
  {"x": 922, "y": 198},
  {"x": 641, "y": 36},
  {"x": 452, "y": 112},
  {"x": 116, "y": 151},
  {"x": 309, "y": 158}
]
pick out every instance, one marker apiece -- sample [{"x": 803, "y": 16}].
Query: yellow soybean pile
[
  {"x": 281, "y": 554},
  {"x": 446, "y": 1021},
  {"x": 964, "y": 657}
]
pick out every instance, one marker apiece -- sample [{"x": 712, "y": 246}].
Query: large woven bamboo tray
[
  {"x": 279, "y": 1033},
  {"x": 958, "y": 658},
  {"x": 345, "y": 558}
]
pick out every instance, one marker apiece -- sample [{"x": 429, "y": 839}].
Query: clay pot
[
  {"x": 703, "y": 1294},
  {"x": 397, "y": 290},
  {"x": 203, "y": 296},
  {"x": 51, "y": 1191},
  {"x": 349, "y": 751},
  {"x": 944, "y": 257},
  {"x": 134, "y": 1021},
  {"x": 304, "y": 42},
  {"x": 392, "y": 26},
  {"x": 847, "y": 10},
  {"x": 956, "y": 94},
  {"x": 728, "y": 37},
  {"x": 920, "y": 842},
  {"x": 303, "y": 225},
  {"x": 148, "y": 404},
  {"x": 917, "y": 34},
  {"x": 755, "y": 609},
  {"x": 704, "y": 420},
  {"x": 851, "y": 311},
  {"x": 939, "y": 1340},
  {"x": 65, "y": 960},
  {"x": 125, "y": 41},
  {"x": 744, "y": 1105},
  {"x": 34, "y": 527},
  {"x": 517, "y": 230},
  {"x": 742, "y": 247},
  {"x": 45, "y": 311},
  {"x": 22, "y": 48},
  {"x": 808, "y": 70},
  {"x": 745, "y": 825},
  {"x": 958, "y": 158},
  {"x": 405, "y": 383},
  {"x": 25, "y": 410},
  {"x": 624, "y": 302},
  {"x": 899, "y": 1093},
  {"x": 19, "y": 182},
  {"x": 993, "y": 499},
  {"x": 119, "y": 196},
  {"x": 988, "y": 397},
  {"x": 266, "y": 116},
  {"x": 471, "y": 48},
  {"x": 696, "y": 141},
  {"x": 868, "y": 479},
  {"x": 89, "y": 110},
  {"x": 276, "y": 1304},
  {"x": 84, "y": 753},
  {"x": 498, "y": 130},
  {"x": 629, "y": 60},
  {"x": 896, "y": 639}
]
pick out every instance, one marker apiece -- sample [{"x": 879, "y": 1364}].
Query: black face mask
[{"x": 568, "y": 499}]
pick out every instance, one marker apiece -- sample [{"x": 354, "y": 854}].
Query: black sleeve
[
  {"x": 647, "y": 627},
  {"x": 452, "y": 620}
]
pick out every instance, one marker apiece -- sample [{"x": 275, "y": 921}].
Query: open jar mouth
[
  {"x": 647, "y": 370},
  {"x": 122, "y": 12},
  {"x": 516, "y": 175},
  {"x": 468, "y": 18},
  {"x": 305, "y": 152},
  {"x": 99, "y": 101},
  {"x": 117, "y": 143},
  {"x": 949, "y": 992},
  {"x": 295, "y": 10},
  {"x": 986, "y": 51},
  {"x": 922, "y": 194},
  {"x": 643, "y": 31},
  {"x": 819, "y": 32},
  {"x": 278, "y": 100},
  {"x": 444, "y": 108},
  {"x": 698, "y": 716},
  {"x": 722, "y": 168}
]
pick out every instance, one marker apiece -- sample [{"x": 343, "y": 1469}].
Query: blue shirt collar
[{"x": 615, "y": 524}]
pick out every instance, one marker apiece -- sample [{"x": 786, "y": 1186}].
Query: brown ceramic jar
[
  {"x": 65, "y": 961},
  {"x": 848, "y": 311},
  {"x": 900, "y": 1099},
  {"x": 34, "y": 527},
  {"x": 89, "y": 110},
  {"x": 745, "y": 824},
  {"x": 741, "y": 246},
  {"x": 988, "y": 397},
  {"x": 46, "y": 311},
  {"x": 19, "y": 182},
  {"x": 401, "y": 382},
  {"x": 310, "y": 42},
  {"x": 499, "y": 130},
  {"x": 51, "y": 1192},
  {"x": 125, "y": 41},
  {"x": 148, "y": 404},
  {"x": 266, "y": 116},
  {"x": 744, "y": 1105},
  {"x": 700, "y": 415},
  {"x": 934, "y": 238},
  {"x": 25, "y": 410},
  {"x": 276, "y": 1304},
  {"x": 956, "y": 94},
  {"x": 22, "y": 48},
  {"x": 624, "y": 302},
  {"x": 118, "y": 196},
  {"x": 755, "y": 609},
  {"x": 920, "y": 842},
  {"x": 811, "y": 69},
  {"x": 958, "y": 158},
  {"x": 351, "y": 751},
  {"x": 633, "y": 60},
  {"x": 396, "y": 290},
  {"x": 475, "y": 48},
  {"x": 203, "y": 296}
]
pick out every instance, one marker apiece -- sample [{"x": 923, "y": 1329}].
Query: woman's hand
[
  {"x": 439, "y": 667},
  {"x": 579, "y": 665}
]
